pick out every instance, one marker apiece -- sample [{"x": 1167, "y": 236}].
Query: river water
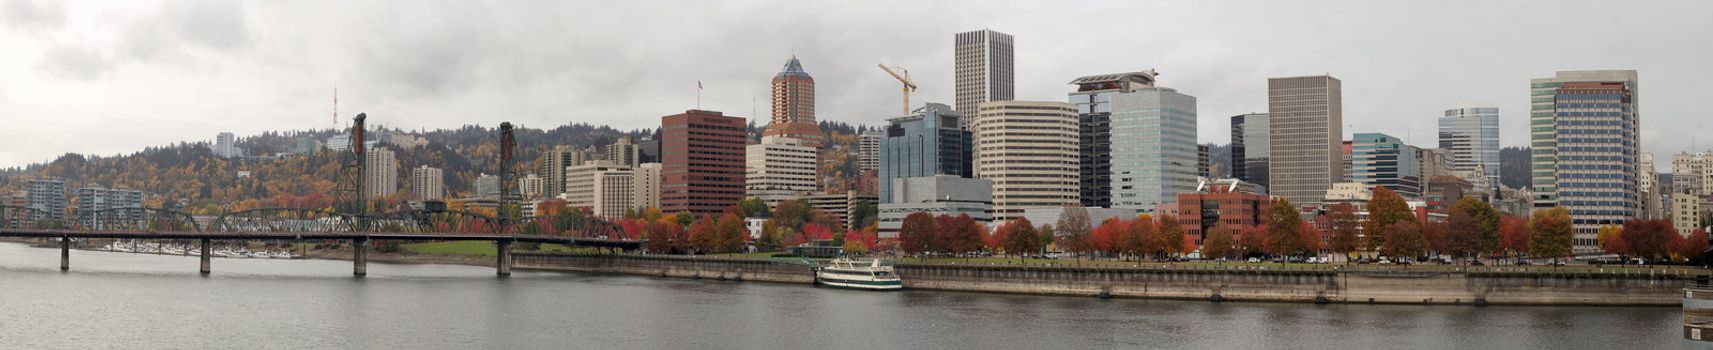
[{"x": 132, "y": 301}]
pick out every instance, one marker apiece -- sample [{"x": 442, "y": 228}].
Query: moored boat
[{"x": 847, "y": 273}]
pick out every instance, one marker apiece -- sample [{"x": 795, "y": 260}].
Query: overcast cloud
[{"x": 114, "y": 77}]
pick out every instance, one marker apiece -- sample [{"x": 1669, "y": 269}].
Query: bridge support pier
[
  {"x": 504, "y": 265},
  {"x": 206, "y": 256},
  {"x": 360, "y": 257},
  {"x": 65, "y": 253}
]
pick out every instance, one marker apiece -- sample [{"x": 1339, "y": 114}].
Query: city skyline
[{"x": 231, "y": 62}]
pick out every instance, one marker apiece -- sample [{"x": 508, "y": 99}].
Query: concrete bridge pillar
[
  {"x": 206, "y": 256},
  {"x": 64, "y": 253},
  {"x": 360, "y": 257},
  {"x": 504, "y": 266}
]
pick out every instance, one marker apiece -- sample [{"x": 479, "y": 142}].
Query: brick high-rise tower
[
  {"x": 794, "y": 105},
  {"x": 702, "y": 162}
]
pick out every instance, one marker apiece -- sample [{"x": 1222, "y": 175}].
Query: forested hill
[
  {"x": 190, "y": 173},
  {"x": 1514, "y": 167}
]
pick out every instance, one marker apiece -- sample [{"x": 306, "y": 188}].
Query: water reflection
[{"x": 116, "y": 300}]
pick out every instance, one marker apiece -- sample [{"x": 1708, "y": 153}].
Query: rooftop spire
[{"x": 793, "y": 68}]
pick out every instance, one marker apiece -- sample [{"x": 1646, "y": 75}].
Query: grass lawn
[{"x": 480, "y": 248}]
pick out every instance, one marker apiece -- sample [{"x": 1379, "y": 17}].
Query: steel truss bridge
[{"x": 353, "y": 225}]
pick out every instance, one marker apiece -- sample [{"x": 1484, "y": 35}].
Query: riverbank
[
  {"x": 1580, "y": 287},
  {"x": 1573, "y": 286},
  {"x": 343, "y": 254}
]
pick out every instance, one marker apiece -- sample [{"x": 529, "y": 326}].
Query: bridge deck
[{"x": 592, "y": 242}]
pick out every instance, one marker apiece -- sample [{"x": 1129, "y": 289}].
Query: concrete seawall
[
  {"x": 1323, "y": 286},
  {"x": 1391, "y": 287},
  {"x": 669, "y": 266}
]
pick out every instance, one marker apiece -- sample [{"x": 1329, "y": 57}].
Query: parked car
[
  {"x": 1385, "y": 261},
  {"x": 1363, "y": 261},
  {"x": 1556, "y": 262},
  {"x": 1477, "y": 262},
  {"x": 1636, "y": 261},
  {"x": 1524, "y": 262},
  {"x": 1254, "y": 260}
]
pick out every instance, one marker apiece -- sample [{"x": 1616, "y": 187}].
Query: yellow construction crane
[{"x": 905, "y": 78}]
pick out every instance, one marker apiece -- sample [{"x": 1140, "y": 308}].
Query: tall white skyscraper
[
  {"x": 780, "y": 168},
  {"x": 226, "y": 145},
  {"x": 1029, "y": 150},
  {"x": 983, "y": 70},
  {"x": 868, "y": 150},
  {"x": 427, "y": 183},
  {"x": 1471, "y": 134},
  {"x": 380, "y": 173},
  {"x": 605, "y": 187},
  {"x": 531, "y": 186},
  {"x": 646, "y": 182}
]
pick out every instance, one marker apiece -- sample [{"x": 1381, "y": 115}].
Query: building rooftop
[
  {"x": 793, "y": 68},
  {"x": 1115, "y": 80}
]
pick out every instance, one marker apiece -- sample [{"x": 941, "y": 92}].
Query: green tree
[
  {"x": 863, "y": 214},
  {"x": 1490, "y": 220},
  {"x": 1551, "y": 233},
  {"x": 752, "y": 207},
  {"x": 1384, "y": 209},
  {"x": 685, "y": 218},
  {"x": 1044, "y": 236},
  {"x": 853, "y": 247}
]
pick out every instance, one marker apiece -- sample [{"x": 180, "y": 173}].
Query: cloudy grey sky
[{"x": 114, "y": 77}]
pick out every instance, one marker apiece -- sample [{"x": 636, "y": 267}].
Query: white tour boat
[{"x": 846, "y": 273}]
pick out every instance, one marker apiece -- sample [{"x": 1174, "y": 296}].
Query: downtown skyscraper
[
  {"x": 793, "y": 102},
  {"x": 984, "y": 70},
  {"x": 380, "y": 173},
  {"x": 1380, "y": 160},
  {"x": 1471, "y": 134},
  {"x": 1152, "y": 140},
  {"x": 1029, "y": 150},
  {"x": 1305, "y": 137},
  {"x": 926, "y": 143},
  {"x": 702, "y": 162},
  {"x": 1584, "y": 129},
  {"x": 1249, "y": 148}
]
